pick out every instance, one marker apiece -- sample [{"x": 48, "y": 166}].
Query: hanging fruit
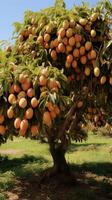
[
  {"x": 22, "y": 103},
  {"x": 96, "y": 71},
  {"x": 103, "y": 80},
  {"x": 47, "y": 119}
]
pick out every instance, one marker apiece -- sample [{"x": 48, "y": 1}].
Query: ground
[{"x": 23, "y": 160}]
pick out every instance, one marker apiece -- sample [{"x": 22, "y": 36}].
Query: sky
[{"x": 13, "y": 10}]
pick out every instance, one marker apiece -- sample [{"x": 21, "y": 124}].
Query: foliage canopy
[{"x": 58, "y": 74}]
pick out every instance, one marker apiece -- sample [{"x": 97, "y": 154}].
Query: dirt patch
[
  {"x": 87, "y": 187},
  {"x": 10, "y": 151},
  {"x": 12, "y": 196}
]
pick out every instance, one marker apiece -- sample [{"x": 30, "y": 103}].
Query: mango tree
[{"x": 57, "y": 76}]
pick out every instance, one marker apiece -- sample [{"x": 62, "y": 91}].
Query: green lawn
[{"x": 22, "y": 160}]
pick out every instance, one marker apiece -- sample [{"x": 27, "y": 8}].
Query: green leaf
[
  {"x": 60, "y": 3},
  {"x": 53, "y": 97}
]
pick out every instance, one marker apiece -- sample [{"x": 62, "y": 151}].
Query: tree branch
[
  {"x": 67, "y": 121},
  {"x": 73, "y": 123}
]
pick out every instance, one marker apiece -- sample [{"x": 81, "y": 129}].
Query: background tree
[{"x": 57, "y": 76}]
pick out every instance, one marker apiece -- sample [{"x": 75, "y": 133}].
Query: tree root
[{"x": 53, "y": 174}]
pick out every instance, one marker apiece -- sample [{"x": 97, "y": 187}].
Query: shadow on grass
[
  {"x": 17, "y": 165},
  {"x": 90, "y": 181},
  {"x": 88, "y": 186},
  {"x": 100, "y": 169},
  {"x": 89, "y": 146}
]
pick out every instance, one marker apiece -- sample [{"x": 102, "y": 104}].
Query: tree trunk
[
  {"x": 60, "y": 168},
  {"x": 59, "y": 161}
]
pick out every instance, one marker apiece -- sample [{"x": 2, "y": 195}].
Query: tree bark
[
  {"x": 60, "y": 169},
  {"x": 59, "y": 161}
]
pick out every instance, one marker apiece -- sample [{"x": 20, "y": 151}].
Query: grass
[
  {"x": 96, "y": 148},
  {"x": 22, "y": 160}
]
